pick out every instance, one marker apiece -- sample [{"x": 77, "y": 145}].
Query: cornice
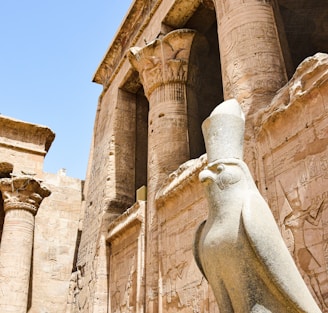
[
  {"x": 138, "y": 16},
  {"x": 132, "y": 28},
  {"x": 186, "y": 174},
  {"x": 134, "y": 215},
  {"x": 309, "y": 76},
  {"x": 25, "y": 136}
]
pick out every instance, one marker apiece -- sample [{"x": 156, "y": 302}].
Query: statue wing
[
  {"x": 196, "y": 247},
  {"x": 266, "y": 240}
]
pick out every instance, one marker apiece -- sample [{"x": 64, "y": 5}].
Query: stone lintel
[
  {"x": 181, "y": 12},
  {"x": 22, "y": 193},
  {"x": 27, "y": 136}
]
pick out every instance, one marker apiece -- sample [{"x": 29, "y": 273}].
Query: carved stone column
[
  {"x": 169, "y": 81},
  {"x": 168, "y": 71},
  {"x": 22, "y": 197},
  {"x": 254, "y": 53}
]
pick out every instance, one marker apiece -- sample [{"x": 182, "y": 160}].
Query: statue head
[
  {"x": 224, "y": 135},
  {"x": 223, "y": 132},
  {"x": 223, "y": 173}
]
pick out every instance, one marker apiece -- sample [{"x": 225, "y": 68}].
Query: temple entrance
[{"x": 306, "y": 27}]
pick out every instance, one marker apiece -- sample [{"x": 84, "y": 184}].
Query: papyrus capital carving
[
  {"x": 22, "y": 192},
  {"x": 167, "y": 60}
]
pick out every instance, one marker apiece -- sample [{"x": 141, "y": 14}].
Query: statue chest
[{"x": 224, "y": 243}]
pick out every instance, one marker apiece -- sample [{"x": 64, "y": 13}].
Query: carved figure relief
[
  {"x": 123, "y": 288},
  {"x": 309, "y": 260},
  {"x": 129, "y": 296},
  {"x": 296, "y": 174},
  {"x": 182, "y": 287},
  {"x": 74, "y": 288}
]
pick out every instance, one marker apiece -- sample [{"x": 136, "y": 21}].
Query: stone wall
[
  {"x": 181, "y": 208},
  {"x": 55, "y": 238},
  {"x": 292, "y": 139},
  {"x": 38, "y": 242}
]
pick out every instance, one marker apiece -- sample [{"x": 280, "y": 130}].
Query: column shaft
[
  {"x": 168, "y": 141},
  {"x": 254, "y": 55},
  {"x": 22, "y": 197},
  {"x": 15, "y": 260}
]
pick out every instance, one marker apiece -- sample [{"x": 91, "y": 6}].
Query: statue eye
[{"x": 220, "y": 168}]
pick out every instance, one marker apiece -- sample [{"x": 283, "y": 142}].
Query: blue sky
[{"x": 49, "y": 51}]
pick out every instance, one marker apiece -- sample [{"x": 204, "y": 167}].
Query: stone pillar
[
  {"x": 169, "y": 82},
  {"x": 168, "y": 71},
  {"x": 254, "y": 53},
  {"x": 22, "y": 197}
]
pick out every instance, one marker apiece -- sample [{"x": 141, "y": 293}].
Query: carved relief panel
[
  {"x": 182, "y": 288},
  {"x": 293, "y": 144},
  {"x": 126, "y": 261}
]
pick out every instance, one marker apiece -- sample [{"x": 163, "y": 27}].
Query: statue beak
[{"x": 205, "y": 176}]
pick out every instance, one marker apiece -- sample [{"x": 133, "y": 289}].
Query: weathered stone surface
[
  {"x": 182, "y": 287},
  {"x": 253, "y": 62},
  {"x": 294, "y": 171},
  {"x": 5, "y": 169},
  {"x": 34, "y": 280},
  {"x": 127, "y": 253},
  {"x": 55, "y": 238},
  {"x": 168, "y": 74}
]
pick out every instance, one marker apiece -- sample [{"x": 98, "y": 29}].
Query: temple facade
[
  {"x": 127, "y": 242},
  {"x": 169, "y": 65}
]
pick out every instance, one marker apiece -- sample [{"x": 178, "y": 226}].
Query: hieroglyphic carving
[
  {"x": 252, "y": 61},
  {"x": 123, "y": 288},
  {"x": 168, "y": 71},
  {"x": 294, "y": 153},
  {"x": 303, "y": 215},
  {"x": 126, "y": 273},
  {"x": 181, "y": 285}
]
